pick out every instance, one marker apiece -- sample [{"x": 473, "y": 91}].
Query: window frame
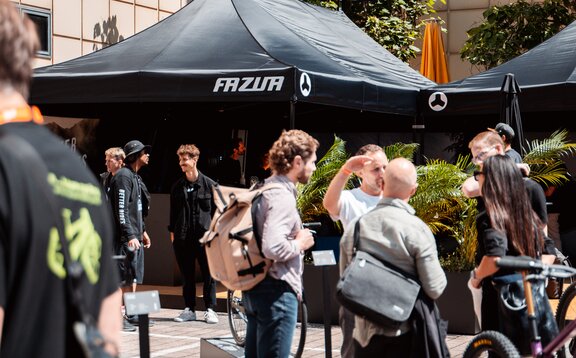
[{"x": 38, "y": 12}]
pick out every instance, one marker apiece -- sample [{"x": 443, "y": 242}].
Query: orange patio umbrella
[{"x": 433, "y": 63}]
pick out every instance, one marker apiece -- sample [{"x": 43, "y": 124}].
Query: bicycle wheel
[
  {"x": 491, "y": 343},
  {"x": 566, "y": 311},
  {"x": 303, "y": 319},
  {"x": 237, "y": 317}
]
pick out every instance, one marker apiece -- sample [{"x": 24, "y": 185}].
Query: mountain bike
[
  {"x": 566, "y": 312},
  {"x": 239, "y": 322},
  {"x": 497, "y": 344}
]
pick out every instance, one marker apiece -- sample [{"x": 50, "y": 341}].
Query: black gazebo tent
[
  {"x": 546, "y": 75},
  {"x": 229, "y": 51},
  {"x": 258, "y": 65}
]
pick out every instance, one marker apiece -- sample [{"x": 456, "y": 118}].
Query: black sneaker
[
  {"x": 127, "y": 327},
  {"x": 134, "y": 320}
]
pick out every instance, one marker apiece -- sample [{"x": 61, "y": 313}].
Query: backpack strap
[
  {"x": 220, "y": 196},
  {"x": 255, "y": 203}
]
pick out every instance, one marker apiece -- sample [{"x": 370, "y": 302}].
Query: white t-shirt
[{"x": 354, "y": 203}]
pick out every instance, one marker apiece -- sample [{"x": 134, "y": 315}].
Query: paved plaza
[{"x": 178, "y": 340}]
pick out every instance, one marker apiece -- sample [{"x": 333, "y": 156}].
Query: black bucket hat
[{"x": 135, "y": 146}]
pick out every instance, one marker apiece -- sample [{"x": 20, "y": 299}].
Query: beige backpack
[{"x": 233, "y": 249}]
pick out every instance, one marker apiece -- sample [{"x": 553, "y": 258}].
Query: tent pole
[
  {"x": 418, "y": 130},
  {"x": 292, "y": 114}
]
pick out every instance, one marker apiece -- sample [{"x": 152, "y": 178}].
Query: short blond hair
[{"x": 116, "y": 153}]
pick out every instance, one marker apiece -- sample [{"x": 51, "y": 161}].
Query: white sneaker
[
  {"x": 186, "y": 315},
  {"x": 210, "y": 316}
]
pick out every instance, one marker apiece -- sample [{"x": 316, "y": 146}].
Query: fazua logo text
[{"x": 249, "y": 84}]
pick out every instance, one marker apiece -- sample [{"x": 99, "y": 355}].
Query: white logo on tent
[
  {"x": 249, "y": 84},
  {"x": 437, "y": 101},
  {"x": 305, "y": 84}
]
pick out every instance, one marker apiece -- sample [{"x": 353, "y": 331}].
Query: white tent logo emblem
[
  {"x": 305, "y": 84},
  {"x": 437, "y": 101}
]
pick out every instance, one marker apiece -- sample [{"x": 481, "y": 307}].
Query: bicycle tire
[
  {"x": 566, "y": 311},
  {"x": 236, "y": 317},
  {"x": 303, "y": 317},
  {"x": 492, "y": 342}
]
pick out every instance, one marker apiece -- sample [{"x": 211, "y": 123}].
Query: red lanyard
[{"x": 21, "y": 114}]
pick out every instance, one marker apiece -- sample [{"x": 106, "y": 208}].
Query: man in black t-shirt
[{"x": 38, "y": 203}]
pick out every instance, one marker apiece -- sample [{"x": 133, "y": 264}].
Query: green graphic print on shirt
[{"x": 85, "y": 244}]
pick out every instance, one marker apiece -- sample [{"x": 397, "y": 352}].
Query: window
[{"x": 43, "y": 21}]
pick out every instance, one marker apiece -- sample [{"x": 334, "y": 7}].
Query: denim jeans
[{"x": 272, "y": 308}]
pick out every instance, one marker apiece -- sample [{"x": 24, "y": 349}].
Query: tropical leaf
[
  {"x": 545, "y": 158},
  {"x": 401, "y": 150},
  {"x": 440, "y": 203}
]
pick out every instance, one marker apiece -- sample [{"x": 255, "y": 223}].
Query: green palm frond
[
  {"x": 440, "y": 203},
  {"x": 550, "y": 149},
  {"x": 404, "y": 150},
  {"x": 545, "y": 158}
]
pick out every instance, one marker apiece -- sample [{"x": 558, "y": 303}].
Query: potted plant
[{"x": 440, "y": 203}]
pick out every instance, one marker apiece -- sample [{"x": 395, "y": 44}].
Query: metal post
[
  {"x": 143, "y": 323},
  {"x": 327, "y": 311}
]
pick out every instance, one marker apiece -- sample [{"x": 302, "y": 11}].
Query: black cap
[
  {"x": 135, "y": 146},
  {"x": 504, "y": 129}
]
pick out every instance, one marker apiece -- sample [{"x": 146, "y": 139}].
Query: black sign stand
[
  {"x": 325, "y": 258},
  {"x": 142, "y": 303},
  {"x": 327, "y": 310},
  {"x": 143, "y": 322}
]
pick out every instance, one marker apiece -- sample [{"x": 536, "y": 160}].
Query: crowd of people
[{"x": 107, "y": 218}]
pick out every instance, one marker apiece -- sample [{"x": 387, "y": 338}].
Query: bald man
[{"x": 393, "y": 232}]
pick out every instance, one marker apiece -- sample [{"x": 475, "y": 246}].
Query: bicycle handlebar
[
  {"x": 312, "y": 225},
  {"x": 520, "y": 263}
]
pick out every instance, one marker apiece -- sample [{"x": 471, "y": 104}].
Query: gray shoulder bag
[{"x": 376, "y": 290}]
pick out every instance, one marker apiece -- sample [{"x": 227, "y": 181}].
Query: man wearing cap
[
  {"x": 507, "y": 134},
  {"x": 128, "y": 198}
]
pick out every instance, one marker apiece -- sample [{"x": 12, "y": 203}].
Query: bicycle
[
  {"x": 566, "y": 311},
  {"x": 496, "y": 343},
  {"x": 239, "y": 322}
]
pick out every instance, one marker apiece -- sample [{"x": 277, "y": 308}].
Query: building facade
[{"x": 72, "y": 28}]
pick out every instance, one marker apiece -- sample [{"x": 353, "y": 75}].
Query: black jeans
[{"x": 187, "y": 252}]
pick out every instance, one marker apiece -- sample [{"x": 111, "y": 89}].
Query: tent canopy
[
  {"x": 239, "y": 51},
  {"x": 546, "y": 75}
]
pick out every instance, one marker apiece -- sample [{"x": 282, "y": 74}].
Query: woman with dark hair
[{"x": 514, "y": 230}]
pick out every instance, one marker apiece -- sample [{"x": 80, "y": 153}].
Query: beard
[{"x": 303, "y": 177}]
